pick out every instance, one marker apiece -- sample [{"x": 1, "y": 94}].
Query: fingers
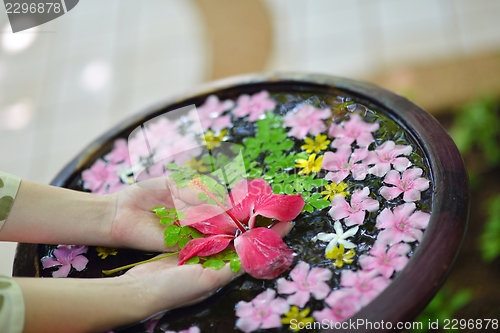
[{"x": 185, "y": 194}]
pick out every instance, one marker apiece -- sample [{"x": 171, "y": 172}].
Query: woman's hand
[{"x": 134, "y": 224}]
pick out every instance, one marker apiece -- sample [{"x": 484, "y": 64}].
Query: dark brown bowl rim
[{"x": 415, "y": 286}]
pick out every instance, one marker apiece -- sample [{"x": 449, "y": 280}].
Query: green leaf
[
  {"x": 172, "y": 235},
  {"x": 202, "y": 196},
  {"x": 157, "y": 208},
  {"x": 185, "y": 230},
  {"x": 320, "y": 204},
  {"x": 183, "y": 241},
  {"x": 180, "y": 215},
  {"x": 172, "y": 166},
  {"x": 196, "y": 234},
  {"x": 235, "y": 265},
  {"x": 193, "y": 260},
  {"x": 215, "y": 264},
  {"x": 230, "y": 255},
  {"x": 166, "y": 220}
]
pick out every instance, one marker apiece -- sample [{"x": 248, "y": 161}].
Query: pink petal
[
  {"x": 62, "y": 272},
  {"x": 263, "y": 253},
  {"x": 359, "y": 171},
  {"x": 247, "y": 324},
  {"x": 279, "y": 305},
  {"x": 393, "y": 178},
  {"x": 243, "y": 196},
  {"x": 390, "y": 193},
  {"x": 370, "y": 205},
  {"x": 399, "y": 263},
  {"x": 380, "y": 169},
  {"x": 385, "y": 219},
  {"x": 411, "y": 195},
  {"x": 337, "y": 177},
  {"x": 400, "y": 249},
  {"x": 356, "y": 218},
  {"x": 401, "y": 163},
  {"x": 300, "y": 298},
  {"x": 421, "y": 184},
  {"x": 385, "y": 270},
  {"x": 411, "y": 174},
  {"x": 286, "y": 287},
  {"x": 271, "y": 321},
  {"x": 420, "y": 220},
  {"x": 340, "y": 208},
  {"x": 204, "y": 247},
  {"x": 48, "y": 262},
  {"x": 348, "y": 278},
  {"x": 321, "y": 290},
  {"x": 391, "y": 236},
  {"x": 209, "y": 220},
  {"x": 221, "y": 123},
  {"x": 360, "y": 195},
  {"x": 364, "y": 139},
  {"x": 299, "y": 272},
  {"x": 319, "y": 274},
  {"x": 79, "y": 263},
  {"x": 244, "y": 309}
]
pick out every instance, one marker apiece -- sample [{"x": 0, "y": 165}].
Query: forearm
[
  {"x": 81, "y": 305},
  {"x": 52, "y": 215}
]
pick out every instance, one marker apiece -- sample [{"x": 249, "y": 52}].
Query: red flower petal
[
  {"x": 283, "y": 208},
  {"x": 243, "y": 196},
  {"x": 209, "y": 220},
  {"x": 263, "y": 253},
  {"x": 204, "y": 247}
]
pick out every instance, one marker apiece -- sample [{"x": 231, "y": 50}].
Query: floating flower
[
  {"x": 192, "y": 329},
  {"x": 304, "y": 283},
  {"x": 402, "y": 224},
  {"x": 409, "y": 183},
  {"x": 262, "y": 252},
  {"x": 355, "y": 129},
  {"x": 368, "y": 284},
  {"x": 306, "y": 120},
  {"x": 213, "y": 140},
  {"x": 342, "y": 304},
  {"x": 355, "y": 212},
  {"x": 264, "y": 311},
  {"x": 255, "y": 105},
  {"x": 119, "y": 152},
  {"x": 312, "y": 164},
  {"x": 161, "y": 131},
  {"x": 211, "y": 111},
  {"x": 66, "y": 256},
  {"x": 197, "y": 165},
  {"x": 386, "y": 155},
  {"x": 386, "y": 261},
  {"x": 345, "y": 161},
  {"x": 338, "y": 237},
  {"x": 297, "y": 318},
  {"x": 332, "y": 190},
  {"x": 340, "y": 256},
  {"x": 104, "y": 252},
  {"x": 319, "y": 143},
  {"x": 102, "y": 178}
]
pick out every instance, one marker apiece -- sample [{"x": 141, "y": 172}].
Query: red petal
[
  {"x": 204, "y": 247},
  {"x": 263, "y": 253},
  {"x": 209, "y": 220},
  {"x": 243, "y": 196},
  {"x": 281, "y": 207}
]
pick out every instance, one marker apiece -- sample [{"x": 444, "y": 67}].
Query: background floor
[{"x": 65, "y": 82}]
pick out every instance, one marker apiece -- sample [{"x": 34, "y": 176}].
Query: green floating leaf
[
  {"x": 157, "y": 208},
  {"x": 172, "y": 166},
  {"x": 172, "y": 235},
  {"x": 193, "y": 260},
  {"x": 185, "y": 230},
  {"x": 166, "y": 220},
  {"x": 214, "y": 264},
  {"x": 320, "y": 204},
  {"x": 235, "y": 265},
  {"x": 196, "y": 234}
]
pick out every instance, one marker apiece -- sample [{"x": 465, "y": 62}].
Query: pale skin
[{"x": 50, "y": 215}]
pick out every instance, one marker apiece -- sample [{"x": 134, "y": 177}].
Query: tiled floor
[{"x": 87, "y": 70}]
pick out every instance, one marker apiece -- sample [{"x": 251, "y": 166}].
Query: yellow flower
[
  {"x": 197, "y": 165},
  {"x": 299, "y": 319},
  {"x": 333, "y": 189},
  {"x": 104, "y": 252},
  {"x": 212, "y": 140},
  {"x": 340, "y": 257},
  {"x": 318, "y": 144},
  {"x": 312, "y": 164}
]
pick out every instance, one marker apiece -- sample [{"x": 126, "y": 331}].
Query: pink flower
[
  {"x": 306, "y": 120},
  {"x": 262, "y": 252},
  {"x": 255, "y": 105},
  {"x": 367, "y": 283},
  {"x": 66, "y": 256},
  {"x": 102, "y": 178},
  {"x": 211, "y": 111},
  {"x": 385, "y": 155},
  {"x": 402, "y": 224},
  {"x": 356, "y": 211},
  {"x": 119, "y": 152},
  {"x": 355, "y": 129},
  {"x": 343, "y": 304},
  {"x": 343, "y": 162},
  {"x": 304, "y": 283},
  {"x": 264, "y": 311},
  {"x": 192, "y": 329},
  {"x": 161, "y": 130},
  {"x": 408, "y": 183},
  {"x": 386, "y": 261}
]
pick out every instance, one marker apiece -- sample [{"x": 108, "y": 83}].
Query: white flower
[{"x": 338, "y": 237}]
